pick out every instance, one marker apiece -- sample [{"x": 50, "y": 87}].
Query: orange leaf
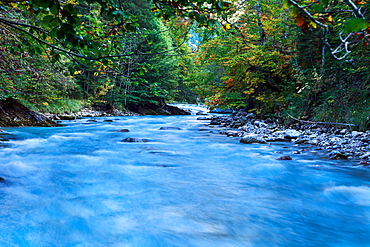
[{"x": 300, "y": 20}]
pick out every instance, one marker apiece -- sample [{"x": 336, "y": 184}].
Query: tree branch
[
  {"x": 308, "y": 14},
  {"x": 14, "y": 25}
]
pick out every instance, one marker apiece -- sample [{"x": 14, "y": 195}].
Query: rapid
[{"x": 81, "y": 185}]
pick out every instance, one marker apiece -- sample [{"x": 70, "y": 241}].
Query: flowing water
[{"x": 80, "y": 185}]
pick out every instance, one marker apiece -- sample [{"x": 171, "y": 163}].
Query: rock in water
[
  {"x": 338, "y": 156},
  {"x": 122, "y": 130},
  {"x": 132, "y": 139},
  {"x": 169, "y": 128},
  {"x": 13, "y": 113},
  {"x": 285, "y": 157},
  {"x": 247, "y": 139}
]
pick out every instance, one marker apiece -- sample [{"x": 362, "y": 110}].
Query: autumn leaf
[{"x": 300, "y": 20}]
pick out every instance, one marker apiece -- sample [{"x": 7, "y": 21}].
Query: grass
[{"x": 60, "y": 106}]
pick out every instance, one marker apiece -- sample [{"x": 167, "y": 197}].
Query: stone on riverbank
[
  {"x": 351, "y": 143},
  {"x": 248, "y": 139}
]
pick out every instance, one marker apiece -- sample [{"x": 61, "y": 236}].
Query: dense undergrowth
[{"x": 264, "y": 57}]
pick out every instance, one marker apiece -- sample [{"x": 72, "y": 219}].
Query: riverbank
[
  {"x": 14, "y": 114},
  {"x": 109, "y": 111},
  {"x": 340, "y": 142}
]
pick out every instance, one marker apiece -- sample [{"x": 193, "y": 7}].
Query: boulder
[
  {"x": 252, "y": 138},
  {"x": 338, "y": 156},
  {"x": 292, "y": 134},
  {"x": 356, "y": 133}
]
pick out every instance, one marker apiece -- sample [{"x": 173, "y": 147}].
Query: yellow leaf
[
  {"x": 330, "y": 18},
  {"x": 14, "y": 5},
  {"x": 226, "y": 27},
  {"x": 313, "y": 24},
  {"x": 77, "y": 72},
  {"x": 96, "y": 74}
]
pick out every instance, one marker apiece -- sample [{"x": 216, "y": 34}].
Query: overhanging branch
[{"x": 15, "y": 26}]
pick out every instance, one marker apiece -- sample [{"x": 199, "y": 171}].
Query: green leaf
[
  {"x": 38, "y": 50},
  {"x": 356, "y": 25},
  {"x": 286, "y": 4},
  {"x": 54, "y": 9},
  {"x": 294, "y": 12},
  {"x": 60, "y": 34},
  {"x": 54, "y": 22},
  {"x": 317, "y": 8},
  {"x": 324, "y": 2},
  {"x": 48, "y": 19},
  {"x": 44, "y": 4},
  {"x": 31, "y": 51}
]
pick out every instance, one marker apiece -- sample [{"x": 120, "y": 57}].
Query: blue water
[{"x": 80, "y": 185}]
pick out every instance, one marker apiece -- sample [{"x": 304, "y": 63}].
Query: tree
[{"x": 253, "y": 61}]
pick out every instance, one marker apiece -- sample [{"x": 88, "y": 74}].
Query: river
[{"x": 80, "y": 185}]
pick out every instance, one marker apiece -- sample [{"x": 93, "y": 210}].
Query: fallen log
[{"x": 327, "y": 123}]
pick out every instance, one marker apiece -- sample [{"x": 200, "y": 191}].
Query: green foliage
[
  {"x": 59, "y": 106},
  {"x": 337, "y": 91},
  {"x": 123, "y": 47},
  {"x": 55, "y": 55},
  {"x": 250, "y": 67},
  {"x": 356, "y": 25}
]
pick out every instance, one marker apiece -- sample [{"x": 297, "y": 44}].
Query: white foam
[
  {"x": 17, "y": 169},
  {"x": 29, "y": 143},
  {"x": 349, "y": 194}
]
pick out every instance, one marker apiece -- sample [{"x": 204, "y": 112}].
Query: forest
[{"x": 308, "y": 59}]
